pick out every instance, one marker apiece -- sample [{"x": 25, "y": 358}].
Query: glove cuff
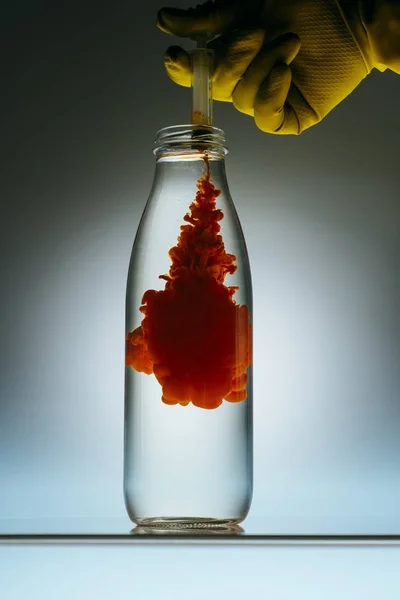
[
  {"x": 375, "y": 27},
  {"x": 350, "y": 12}
]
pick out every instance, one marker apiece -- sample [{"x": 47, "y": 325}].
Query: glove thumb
[{"x": 209, "y": 18}]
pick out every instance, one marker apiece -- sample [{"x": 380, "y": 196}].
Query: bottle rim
[{"x": 191, "y": 137}]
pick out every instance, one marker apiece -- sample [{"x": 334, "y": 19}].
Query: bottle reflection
[{"x": 188, "y": 529}]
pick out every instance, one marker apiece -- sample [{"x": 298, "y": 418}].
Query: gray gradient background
[{"x": 84, "y": 92}]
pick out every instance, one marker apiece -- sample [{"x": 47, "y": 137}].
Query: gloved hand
[{"x": 287, "y": 63}]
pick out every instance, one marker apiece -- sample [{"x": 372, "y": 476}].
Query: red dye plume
[{"x": 194, "y": 337}]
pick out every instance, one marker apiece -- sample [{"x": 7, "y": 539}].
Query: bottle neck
[
  {"x": 186, "y": 154},
  {"x": 176, "y": 169},
  {"x": 187, "y": 140}
]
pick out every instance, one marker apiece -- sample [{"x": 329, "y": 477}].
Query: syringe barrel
[{"x": 202, "y": 70}]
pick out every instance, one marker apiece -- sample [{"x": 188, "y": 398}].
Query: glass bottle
[{"x": 188, "y": 443}]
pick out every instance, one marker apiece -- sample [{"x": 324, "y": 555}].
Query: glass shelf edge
[{"x": 248, "y": 540}]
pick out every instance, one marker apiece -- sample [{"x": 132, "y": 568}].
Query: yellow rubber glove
[{"x": 287, "y": 63}]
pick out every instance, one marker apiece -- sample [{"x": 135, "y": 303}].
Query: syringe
[{"x": 202, "y": 70}]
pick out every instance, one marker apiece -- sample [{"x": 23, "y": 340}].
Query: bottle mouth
[{"x": 179, "y": 139}]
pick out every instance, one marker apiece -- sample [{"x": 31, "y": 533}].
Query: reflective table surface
[{"x": 253, "y": 531}]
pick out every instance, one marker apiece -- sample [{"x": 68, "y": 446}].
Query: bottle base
[{"x": 183, "y": 524}]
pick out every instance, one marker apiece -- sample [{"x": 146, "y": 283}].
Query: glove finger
[
  {"x": 211, "y": 17},
  {"x": 281, "y": 50},
  {"x": 280, "y": 107},
  {"x": 178, "y": 65},
  {"x": 233, "y": 53},
  {"x": 272, "y": 112}
]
